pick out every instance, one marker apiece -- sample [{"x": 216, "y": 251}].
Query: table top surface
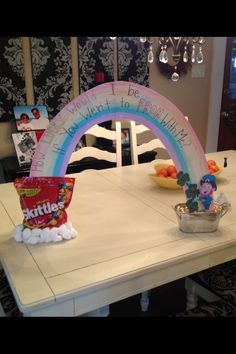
[{"x": 126, "y": 227}]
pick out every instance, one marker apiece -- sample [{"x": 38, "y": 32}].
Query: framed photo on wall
[{"x": 31, "y": 117}]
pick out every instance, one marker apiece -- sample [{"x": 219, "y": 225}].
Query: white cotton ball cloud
[
  {"x": 71, "y": 230},
  {"x": 54, "y": 235},
  {"x": 46, "y": 235},
  {"x": 74, "y": 233},
  {"x": 32, "y": 240},
  {"x": 26, "y": 234},
  {"x": 36, "y": 232},
  {"x": 17, "y": 233}
]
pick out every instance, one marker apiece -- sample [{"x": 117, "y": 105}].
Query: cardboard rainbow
[
  {"x": 123, "y": 101},
  {"x": 114, "y": 100}
]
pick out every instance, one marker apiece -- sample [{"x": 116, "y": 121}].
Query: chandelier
[{"x": 175, "y": 54}]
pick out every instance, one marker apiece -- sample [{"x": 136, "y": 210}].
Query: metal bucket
[{"x": 200, "y": 221}]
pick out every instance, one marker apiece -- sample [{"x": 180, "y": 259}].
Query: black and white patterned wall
[
  {"x": 12, "y": 80},
  {"x": 52, "y": 76},
  {"x": 52, "y": 73},
  {"x": 132, "y": 61},
  {"x": 96, "y": 54}
]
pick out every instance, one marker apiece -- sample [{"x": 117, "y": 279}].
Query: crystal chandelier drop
[{"x": 176, "y": 53}]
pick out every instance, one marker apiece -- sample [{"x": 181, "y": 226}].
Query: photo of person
[
  {"x": 125, "y": 137},
  {"x": 23, "y": 122},
  {"x": 31, "y": 117},
  {"x": 39, "y": 121},
  {"x": 36, "y": 113}
]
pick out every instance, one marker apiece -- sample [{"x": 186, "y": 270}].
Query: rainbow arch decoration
[{"x": 119, "y": 100}]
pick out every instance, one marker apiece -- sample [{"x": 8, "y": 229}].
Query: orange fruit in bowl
[
  {"x": 162, "y": 172},
  {"x": 213, "y": 168},
  {"x": 171, "y": 169},
  {"x": 211, "y": 162},
  {"x": 166, "y": 174},
  {"x": 174, "y": 175},
  {"x": 162, "y": 177}
]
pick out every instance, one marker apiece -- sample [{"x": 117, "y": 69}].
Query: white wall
[{"x": 198, "y": 98}]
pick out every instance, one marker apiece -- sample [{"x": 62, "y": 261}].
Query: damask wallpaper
[
  {"x": 52, "y": 72},
  {"x": 52, "y": 68},
  {"x": 96, "y": 54},
  {"x": 12, "y": 81},
  {"x": 132, "y": 60}
]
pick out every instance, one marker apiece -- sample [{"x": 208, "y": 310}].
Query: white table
[{"x": 128, "y": 242}]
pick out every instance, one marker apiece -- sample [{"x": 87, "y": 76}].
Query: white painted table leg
[
  {"x": 101, "y": 312},
  {"x": 192, "y": 300},
  {"x": 191, "y": 294},
  {"x": 144, "y": 301},
  {"x": 194, "y": 291}
]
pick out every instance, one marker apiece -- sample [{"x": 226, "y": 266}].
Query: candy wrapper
[{"x": 43, "y": 202}]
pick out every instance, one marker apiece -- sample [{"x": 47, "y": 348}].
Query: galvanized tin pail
[{"x": 200, "y": 221}]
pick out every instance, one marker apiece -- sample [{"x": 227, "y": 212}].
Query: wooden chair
[
  {"x": 153, "y": 144},
  {"x": 115, "y": 157},
  {"x": 137, "y": 150},
  {"x": 90, "y": 151}
]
